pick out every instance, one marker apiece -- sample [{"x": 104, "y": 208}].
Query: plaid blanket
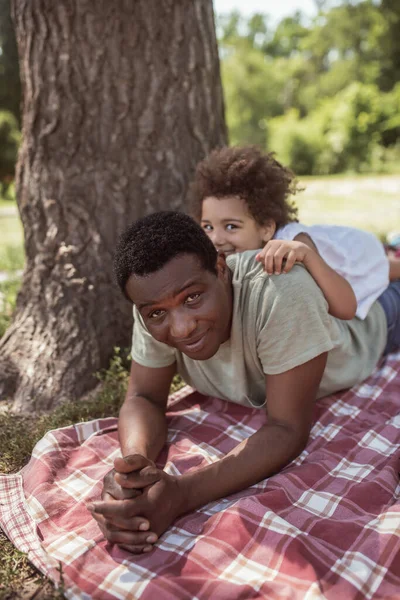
[{"x": 327, "y": 526}]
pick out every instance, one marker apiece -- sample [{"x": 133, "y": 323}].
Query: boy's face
[
  {"x": 230, "y": 226},
  {"x": 186, "y": 306}
]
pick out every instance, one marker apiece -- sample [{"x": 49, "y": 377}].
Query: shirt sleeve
[
  {"x": 145, "y": 349},
  {"x": 289, "y": 231},
  {"x": 293, "y": 325}
]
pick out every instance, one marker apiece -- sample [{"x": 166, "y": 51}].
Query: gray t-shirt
[{"x": 279, "y": 322}]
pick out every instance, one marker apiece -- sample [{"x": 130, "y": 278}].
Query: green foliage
[
  {"x": 9, "y": 142},
  {"x": 344, "y": 133},
  {"x": 10, "y": 87},
  {"x": 314, "y": 91},
  {"x": 11, "y": 263},
  {"x": 250, "y": 84},
  {"x": 12, "y": 259},
  {"x": 8, "y": 294}
]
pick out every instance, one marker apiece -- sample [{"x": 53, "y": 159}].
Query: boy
[{"x": 241, "y": 198}]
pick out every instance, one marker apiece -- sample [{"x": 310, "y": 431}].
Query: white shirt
[{"x": 356, "y": 255}]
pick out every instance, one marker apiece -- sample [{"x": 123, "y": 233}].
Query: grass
[
  {"x": 19, "y": 434},
  {"x": 7, "y": 197},
  {"x": 11, "y": 264},
  {"x": 8, "y": 296},
  {"x": 367, "y": 202},
  {"x": 11, "y": 230}
]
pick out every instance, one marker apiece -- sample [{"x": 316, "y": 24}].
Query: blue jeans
[{"x": 390, "y": 301}]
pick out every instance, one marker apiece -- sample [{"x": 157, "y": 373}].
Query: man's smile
[{"x": 192, "y": 345}]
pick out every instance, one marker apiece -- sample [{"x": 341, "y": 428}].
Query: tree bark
[{"x": 121, "y": 99}]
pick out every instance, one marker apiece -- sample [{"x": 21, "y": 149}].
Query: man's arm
[
  {"x": 290, "y": 398},
  {"x": 142, "y": 426}
]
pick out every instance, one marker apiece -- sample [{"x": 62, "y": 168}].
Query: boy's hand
[
  {"x": 279, "y": 256},
  {"x": 122, "y": 522}
]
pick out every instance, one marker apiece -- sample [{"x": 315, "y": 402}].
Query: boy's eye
[
  {"x": 156, "y": 314},
  {"x": 191, "y": 298},
  {"x": 231, "y": 226}
]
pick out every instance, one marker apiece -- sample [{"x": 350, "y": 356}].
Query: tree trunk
[{"x": 121, "y": 99}]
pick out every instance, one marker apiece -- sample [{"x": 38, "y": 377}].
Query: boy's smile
[
  {"x": 186, "y": 306},
  {"x": 230, "y": 226}
]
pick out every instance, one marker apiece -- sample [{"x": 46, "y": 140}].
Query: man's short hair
[{"x": 152, "y": 241}]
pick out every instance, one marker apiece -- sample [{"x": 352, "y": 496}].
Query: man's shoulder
[
  {"x": 244, "y": 265},
  {"x": 247, "y": 271}
]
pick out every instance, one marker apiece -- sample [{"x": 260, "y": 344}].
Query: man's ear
[
  {"x": 222, "y": 267},
  {"x": 268, "y": 230}
]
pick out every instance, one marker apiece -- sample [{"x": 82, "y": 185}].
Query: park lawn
[
  {"x": 367, "y": 202},
  {"x": 370, "y": 202},
  {"x": 11, "y": 242},
  {"x": 11, "y": 233}
]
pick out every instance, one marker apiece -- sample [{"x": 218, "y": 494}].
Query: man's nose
[{"x": 182, "y": 324}]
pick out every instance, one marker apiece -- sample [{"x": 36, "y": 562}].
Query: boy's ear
[{"x": 268, "y": 230}]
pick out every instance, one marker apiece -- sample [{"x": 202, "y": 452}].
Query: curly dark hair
[
  {"x": 256, "y": 177},
  {"x": 150, "y": 242}
]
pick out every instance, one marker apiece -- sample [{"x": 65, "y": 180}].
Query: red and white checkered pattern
[{"x": 326, "y": 527}]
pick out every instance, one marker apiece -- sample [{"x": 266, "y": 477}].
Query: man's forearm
[
  {"x": 260, "y": 456},
  {"x": 142, "y": 427}
]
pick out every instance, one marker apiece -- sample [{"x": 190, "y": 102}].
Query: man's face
[{"x": 186, "y": 306}]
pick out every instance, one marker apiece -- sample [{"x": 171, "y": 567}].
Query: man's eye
[
  {"x": 156, "y": 314},
  {"x": 192, "y": 298},
  {"x": 231, "y": 227}
]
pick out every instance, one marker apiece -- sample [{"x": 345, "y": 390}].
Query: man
[{"x": 230, "y": 331}]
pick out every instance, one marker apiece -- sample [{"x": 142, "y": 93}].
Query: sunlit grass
[{"x": 367, "y": 202}]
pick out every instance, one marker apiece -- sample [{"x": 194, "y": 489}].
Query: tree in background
[
  {"x": 389, "y": 74},
  {"x": 120, "y": 101},
  {"x": 285, "y": 85}
]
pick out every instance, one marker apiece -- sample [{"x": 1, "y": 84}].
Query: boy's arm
[
  {"x": 338, "y": 292},
  {"x": 291, "y": 397},
  {"x": 279, "y": 256}
]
